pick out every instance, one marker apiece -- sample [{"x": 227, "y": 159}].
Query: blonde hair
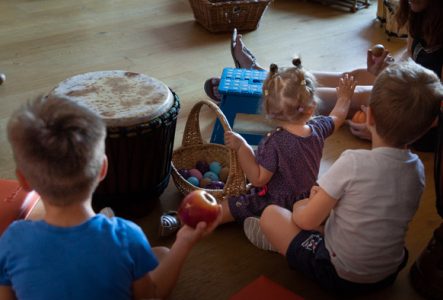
[
  {"x": 405, "y": 101},
  {"x": 58, "y": 146},
  {"x": 288, "y": 92}
]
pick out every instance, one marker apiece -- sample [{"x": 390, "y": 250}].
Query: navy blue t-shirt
[{"x": 99, "y": 259}]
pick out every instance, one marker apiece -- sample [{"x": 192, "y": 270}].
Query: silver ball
[{"x": 2, "y": 78}]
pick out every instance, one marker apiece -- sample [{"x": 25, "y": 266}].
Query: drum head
[{"x": 121, "y": 98}]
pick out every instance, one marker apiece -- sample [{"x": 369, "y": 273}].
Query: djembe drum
[{"x": 140, "y": 113}]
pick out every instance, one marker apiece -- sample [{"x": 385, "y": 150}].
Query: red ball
[{"x": 198, "y": 206}]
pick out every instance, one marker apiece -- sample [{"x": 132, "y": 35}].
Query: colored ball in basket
[
  {"x": 223, "y": 175},
  {"x": 377, "y": 50},
  {"x": 198, "y": 206},
  {"x": 184, "y": 173},
  {"x": 359, "y": 117},
  {"x": 211, "y": 175},
  {"x": 215, "y": 167},
  {"x": 215, "y": 185},
  {"x": 202, "y": 166},
  {"x": 193, "y": 180},
  {"x": 204, "y": 182},
  {"x": 196, "y": 173}
]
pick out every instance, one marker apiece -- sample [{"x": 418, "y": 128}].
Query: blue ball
[
  {"x": 193, "y": 180},
  {"x": 215, "y": 167},
  {"x": 211, "y": 175}
]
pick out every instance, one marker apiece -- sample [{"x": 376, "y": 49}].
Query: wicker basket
[
  {"x": 194, "y": 149},
  {"x": 224, "y": 16}
]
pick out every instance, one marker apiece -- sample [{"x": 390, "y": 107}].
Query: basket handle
[
  {"x": 192, "y": 134},
  {"x": 236, "y": 183}
]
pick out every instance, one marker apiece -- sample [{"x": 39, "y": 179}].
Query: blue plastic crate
[
  {"x": 241, "y": 91},
  {"x": 242, "y": 81}
]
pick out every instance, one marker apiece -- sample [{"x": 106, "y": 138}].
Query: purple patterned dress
[{"x": 294, "y": 162}]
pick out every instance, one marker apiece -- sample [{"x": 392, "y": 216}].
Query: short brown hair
[
  {"x": 405, "y": 101},
  {"x": 58, "y": 145},
  {"x": 287, "y": 92}
]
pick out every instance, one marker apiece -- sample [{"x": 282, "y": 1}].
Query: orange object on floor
[
  {"x": 264, "y": 289},
  {"x": 15, "y": 203}
]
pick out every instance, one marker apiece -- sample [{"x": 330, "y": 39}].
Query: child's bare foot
[{"x": 243, "y": 57}]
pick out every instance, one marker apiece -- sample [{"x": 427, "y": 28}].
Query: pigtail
[
  {"x": 287, "y": 92},
  {"x": 273, "y": 69},
  {"x": 296, "y": 61}
]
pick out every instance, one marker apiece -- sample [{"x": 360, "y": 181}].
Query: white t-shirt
[{"x": 378, "y": 193}]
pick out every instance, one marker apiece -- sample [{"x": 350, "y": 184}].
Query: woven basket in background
[
  {"x": 194, "y": 149},
  {"x": 224, "y": 16}
]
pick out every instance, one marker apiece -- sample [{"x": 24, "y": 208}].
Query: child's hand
[
  {"x": 376, "y": 64},
  {"x": 191, "y": 235},
  {"x": 314, "y": 190},
  {"x": 360, "y": 130},
  {"x": 346, "y": 87},
  {"x": 233, "y": 140}
]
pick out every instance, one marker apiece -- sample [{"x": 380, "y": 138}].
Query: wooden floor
[{"x": 43, "y": 42}]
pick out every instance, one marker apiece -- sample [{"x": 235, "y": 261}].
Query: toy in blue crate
[{"x": 241, "y": 91}]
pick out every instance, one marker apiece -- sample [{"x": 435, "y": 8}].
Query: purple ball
[
  {"x": 184, "y": 173},
  {"x": 215, "y": 185},
  {"x": 202, "y": 166}
]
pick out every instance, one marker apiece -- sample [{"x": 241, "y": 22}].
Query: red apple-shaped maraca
[{"x": 198, "y": 206}]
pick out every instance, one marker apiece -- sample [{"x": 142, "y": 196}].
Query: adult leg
[
  {"x": 328, "y": 98},
  {"x": 331, "y": 79},
  {"x": 244, "y": 58},
  {"x": 276, "y": 224}
]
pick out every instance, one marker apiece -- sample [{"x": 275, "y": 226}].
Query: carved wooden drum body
[{"x": 140, "y": 114}]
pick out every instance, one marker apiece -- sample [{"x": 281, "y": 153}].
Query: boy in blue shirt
[{"x": 73, "y": 253}]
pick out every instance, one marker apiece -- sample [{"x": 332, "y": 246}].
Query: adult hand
[{"x": 376, "y": 64}]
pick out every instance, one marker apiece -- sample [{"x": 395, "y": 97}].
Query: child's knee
[{"x": 269, "y": 214}]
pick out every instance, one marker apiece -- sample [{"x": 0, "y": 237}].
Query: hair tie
[
  {"x": 303, "y": 82},
  {"x": 300, "y": 109},
  {"x": 266, "y": 92}
]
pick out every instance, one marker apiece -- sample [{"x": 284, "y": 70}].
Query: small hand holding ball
[
  {"x": 377, "y": 50},
  {"x": 359, "y": 117},
  {"x": 2, "y": 78},
  {"x": 199, "y": 206}
]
